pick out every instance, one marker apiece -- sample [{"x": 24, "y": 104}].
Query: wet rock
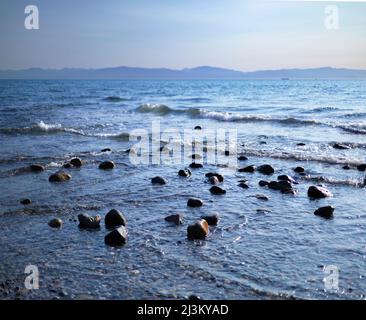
[
  {"x": 36, "y": 167},
  {"x": 197, "y": 128},
  {"x": 285, "y": 177},
  {"x": 25, "y": 201},
  {"x": 194, "y": 165},
  {"x": 212, "y": 219},
  {"x": 106, "y": 165},
  {"x": 214, "y": 180},
  {"x": 340, "y": 146},
  {"x": 243, "y": 185},
  {"x": 247, "y": 169},
  {"x": 174, "y": 218},
  {"x": 361, "y": 167},
  {"x": 316, "y": 192},
  {"x": 227, "y": 152},
  {"x": 184, "y": 173},
  {"x": 242, "y": 158},
  {"x": 280, "y": 185},
  {"x": 194, "y": 202},
  {"x": 262, "y": 142},
  {"x": 88, "y": 222},
  {"x": 106, "y": 150},
  {"x": 266, "y": 169},
  {"x": 117, "y": 237},
  {"x": 193, "y": 297},
  {"x": 289, "y": 191},
  {"x": 262, "y": 197},
  {"x": 263, "y": 210},
  {"x": 198, "y": 230},
  {"x": 196, "y": 156},
  {"x": 59, "y": 177},
  {"x": 217, "y": 190},
  {"x": 263, "y": 183},
  {"x": 346, "y": 167},
  {"x": 158, "y": 180},
  {"x": 299, "y": 169},
  {"x": 76, "y": 162},
  {"x": 55, "y": 223},
  {"x": 325, "y": 212},
  {"x": 114, "y": 218},
  {"x": 301, "y": 144},
  {"x": 67, "y": 165}
]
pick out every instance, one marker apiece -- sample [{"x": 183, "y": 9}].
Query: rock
[
  {"x": 299, "y": 169},
  {"x": 59, "y": 176},
  {"x": 212, "y": 219},
  {"x": 263, "y": 210},
  {"x": 243, "y": 185},
  {"x": 262, "y": 142},
  {"x": 263, "y": 183},
  {"x": 318, "y": 192},
  {"x": 106, "y": 165},
  {"x": 217, "y": 190},
  {"x": 55, "y": 223},
  {"x": 266, "y": 169},
  {"x": 196, "y": 156},
  {"x": 289, "y": 191},
  {"x": 76, "y": 162},
  {"x": 301, "y": 144},
  {"x": 325, "y": 212},
  {"x": 285, "y": 177},
  {"x": 227, "y": 152},
  {"x": 361, "y": 167},
  {"x": 193, "y": 297},
  {"x": 114, "y": 218},
  {"x": 194, "y": 165},
  {"x": 193, "y": 202},
  {"x": 174, "y": 218},
  {"x": 158, "y": 180},
  {"x": 198, "y": 230},
  {"x": 197, "y": 128},
  {"x": 87, "y": 222},
  {"x": 25, "y": 201},
  {"x": 340, "y": 146},
  {"x": 184, "y": 173},
  {"x": 217, "y": 175},
  {"x": 214, "y": 180},
  {"x": 37, "y": 167},
  {"x": 280, "y": 185},
  {"x": 67, "y": 165},
  {"x": 247, "y": 169},
  {"x": 106, "y": 150},
  {"x": 346, "y": 167},
  {"x": 117, "y": 237},
  {"x": 262, "y": 197},
  {"x": 242, "y": 158}
]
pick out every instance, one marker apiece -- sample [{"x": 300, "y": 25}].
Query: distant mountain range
[{"x": 198, "y": 73}]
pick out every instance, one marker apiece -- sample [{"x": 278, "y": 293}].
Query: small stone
[
  {"x": 263, "y": 210},
  {"x": 242, "y": 158},
  {"x": 55, "y": 223},
  {"x": 263, "y": 183},
  {"x": 340, "y": 146},
  {"x": 318, "y": 192},
  {"x": 212, "y": 219},
  {"x": 87, "y": 222},
  {"x": 262, "y": 197},
  {"x": 198, "y": 230},
  {"x": 266, "y": 169},
  {"x": 227, "y": 153},
  {"x": 361, "y": 167},
  {"x": 247, "y": 169},
  {"x": 217, "y": 190},
  {"x": 193, "y": 202},
  {"x": 174, "y": 218},
  {"x": 158, "y": 180},
  {"x": 299, "y": 169},
  {"x": 346, "y": 167},
  {"x": 76, "y": 162},
  {"x": 114, "y": 218},
  {"x": 217, "y": 175},
  {"x": 106, "y": 150},
  {"x": 107, "y": 165},
  {"x": 25, "y": 201},
  {"x": 197, "y": 128},
  {"x": 117, "y": 237},
  {"x": 325, "y": 212},
  {"x": 67, "y": 165},
  {"x": 301, "y": 144},
  {"x": 194, "y": 165},
  {"x": 243, "y": 185},
  {"x": 59, "y": 177},
  {"x": 37, "y": 167},
  {"x": 184, "y": 173},
  {"x": 214, "y": 180}
]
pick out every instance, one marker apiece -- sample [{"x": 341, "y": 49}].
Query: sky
[{"x": 243, "y": 35}]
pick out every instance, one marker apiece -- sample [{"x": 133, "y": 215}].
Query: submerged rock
[
  {"x": 214, "y": 180},
  {"x": 361, "y": 167},
  {"x": 198, "y": 230},
  {"x": 67, "y": 165},
  {"x": 114, "y": 218},
  {"x": 318, "y": 192},
  {"x": 55, "y": 223},
  {"x": 194, "y": 165},
  {"x": 247, "y": 169},
  {"x": 263, "y": 183},
  {"x": 212, "y": 219},
  {"x": 242, "y": 158},
  {"x": 243, "y": 185},
  {"x": 299, "y": 169},
  {"x": 340, "y": 146},
  {"x": 227, "y": 152},
  {"x": 325, "y": 212},
  {"x": 262, "y": 197},
  {"x": 106, "y": 150},
  {"x": 184, "y": 173},
  {"x": 266, "y": 169},
  {"x": 158, "y": 180},
  {"x": 174, "y": 218},
  {"x": 197, "y": 128},
  {"x": 194, "y": 202},
  {"x": 36, "y": 167},
  {"x": 217, "y": 190},
  {"x": 301, "y": 144},
  {"x": 59, "y": 177},
  {"x": 117, "y": 237},
  {"x": 76, "y": 162},
  {"x": 88, "y": 222},
  {"x": 107, "y": 165},
  {"x": 346, "y": 167},
  {"x": 25, "y": 201}
]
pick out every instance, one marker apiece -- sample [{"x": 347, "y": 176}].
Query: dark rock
[
  {"x": 217, "y": 175},
  {"x": 262, "y": 142},
  {"x": 174, "y": 218},
  {"x": 243, "y": 185},
  {"x": 263, "y": 210},
  {"x": 214, "y": 180},
  {"x": 242, "y": 158},
  {"x": 318, "y": 192},
  {"x": 265, "y": 169},
  {"x": 193, "y": 202},
  {"x": 37, "y": 167},
  {"x": 106, "y": 165},
  {"x": 217, "y": 190},
  {"x": 289, "y": 191},
  {"x": 197, "y": 128},
  {"x": 285, "y": 177},
  {"x": 361, "y": 167},
  {"x": 212, "y": 219},
  {"x": 299, "y": 169},
  {"x": 59, "y": 177},
  {"x": 247, "y": 169},
  {"x": 184, "y": 173},
  {"x": 114, "y": 218},
  {"x": 67, "y": 165},
  {"x": 227, "y": 152},
  {"x": 263, "y": 183},
  {"x": 76, "y": 162},
  {"x": 301, "y": 144},
  {"x": 158, "y": 180},
  {"x": 198, "y": 230},
  {"x": 106, "y": 150},
  {"x": 87, "y": 222},
  {"x": 55, "y": 223},
  {"x": 196, "y": 156},
  {"x": 117, "y": 237},
  {"x": 262, "y": 197},
  {"x": 194, "y": 165},
  {"x": 325, "y": 212},
  {"x": 193, "y": 297},
  {"x": 25, "y": 201},
  {"x": 340, "y": 146},
  {"x": 280, "y": 185},
  {"x": 346, "y": 167}
]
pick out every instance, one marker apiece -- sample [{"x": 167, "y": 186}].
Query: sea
[{"x": 275, "y": 249}]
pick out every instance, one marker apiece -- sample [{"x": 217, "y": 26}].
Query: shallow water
[{"x": 277, "y": 254}]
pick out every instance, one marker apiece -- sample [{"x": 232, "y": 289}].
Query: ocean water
[{"x": 277, "y": 254}]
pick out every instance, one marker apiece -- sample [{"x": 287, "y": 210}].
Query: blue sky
[{"x": 237, "y": 34}]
